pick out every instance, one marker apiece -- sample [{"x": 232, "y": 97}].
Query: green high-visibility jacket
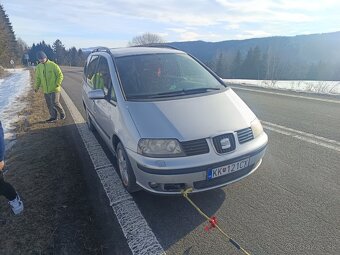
[
  {"x": 98, "y": 81},
  {"x": 48, "y": 76}
]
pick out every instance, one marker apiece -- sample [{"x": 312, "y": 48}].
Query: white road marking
[
  {"x": 307, "y": 137},
  {"x": 287, "y": 95},
  {"x": 139, "y": 235}
]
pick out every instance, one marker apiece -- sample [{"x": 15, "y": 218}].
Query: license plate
[{"x": 227, "y": 169}]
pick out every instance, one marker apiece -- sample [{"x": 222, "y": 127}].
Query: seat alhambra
[{"x": 169, "y": 120}]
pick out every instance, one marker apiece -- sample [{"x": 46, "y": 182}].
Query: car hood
[{"x": 191, "y": 118}]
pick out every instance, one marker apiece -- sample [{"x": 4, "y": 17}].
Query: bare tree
[
  {"x": 146, "y": 38},
  {"x": 22, "y": 45}
]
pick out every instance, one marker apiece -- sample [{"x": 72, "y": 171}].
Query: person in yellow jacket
[
  {"x": 49, "y": 77},
  {"x": 98, "y": 80}
]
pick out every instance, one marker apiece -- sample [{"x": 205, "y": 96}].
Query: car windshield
[{"x": 163, "y": 76}]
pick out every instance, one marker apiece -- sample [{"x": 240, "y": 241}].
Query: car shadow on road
[{"x": 172, "y": 217}]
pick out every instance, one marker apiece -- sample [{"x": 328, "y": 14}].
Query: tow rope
[{"x": 212, "y": 221}]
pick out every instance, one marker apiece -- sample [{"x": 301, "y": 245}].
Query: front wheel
[{"x": 125, "y": 170}]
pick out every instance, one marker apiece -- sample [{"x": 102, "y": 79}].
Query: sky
[{"x": 113, "y": 23}]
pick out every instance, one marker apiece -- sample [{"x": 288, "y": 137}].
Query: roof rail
[
  {"x": 101, "y": 49},
  {"x": 157, "y": 45}
]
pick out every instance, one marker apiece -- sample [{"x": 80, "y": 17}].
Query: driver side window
[
  {"x": 102, "y": 78},
  {"x": 91, "y": 70}
]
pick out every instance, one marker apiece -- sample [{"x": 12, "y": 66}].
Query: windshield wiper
[
  {"x": 182, "y": 92},
  {"x": 200, "y": 90},
  {"x": 138, "y": 96},
  {"x": 173, "y": 93}
]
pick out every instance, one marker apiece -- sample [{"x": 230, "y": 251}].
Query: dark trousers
[
  {"x": 53, "y": 104},
  {"x": 6, "y": 189}
]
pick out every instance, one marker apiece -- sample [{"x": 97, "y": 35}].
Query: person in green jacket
[
  {"x": 49, "y": 77},
  {"x": 98, "y": 80}
]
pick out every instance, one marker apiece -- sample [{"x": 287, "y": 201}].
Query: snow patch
[
  {"x": 320, "y": 87},
  {"x": 12, "y": 89}
]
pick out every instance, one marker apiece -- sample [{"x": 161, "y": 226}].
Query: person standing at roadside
[
  {"x": 49, "y": 76},
  {"x": 7, "y": 189}
]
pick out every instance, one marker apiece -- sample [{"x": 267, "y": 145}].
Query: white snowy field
[
  {"x": 320, "y": 87},
  {"x": 12, "y": 88}
]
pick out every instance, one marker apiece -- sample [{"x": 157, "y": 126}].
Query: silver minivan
[{"x": 169, "y": 120}]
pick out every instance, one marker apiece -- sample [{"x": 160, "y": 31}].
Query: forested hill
[{"x": 315, "y": 56}]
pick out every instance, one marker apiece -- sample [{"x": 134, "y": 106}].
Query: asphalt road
[{"x": 290, "y": 205}]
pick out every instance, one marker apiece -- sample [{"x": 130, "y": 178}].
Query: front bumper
[{"x": 155, "y": 177}]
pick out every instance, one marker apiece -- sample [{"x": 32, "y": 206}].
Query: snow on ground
[
  {"x": 12, "y": 88},
  {"x": 321, "y": 87}
]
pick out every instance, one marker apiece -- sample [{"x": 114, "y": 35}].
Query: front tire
[{"x": 126, "y": 173}]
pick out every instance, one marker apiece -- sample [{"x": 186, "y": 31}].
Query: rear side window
[{"x": 91, "y": 70}]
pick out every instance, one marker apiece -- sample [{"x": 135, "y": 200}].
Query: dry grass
[
  {"x": 3, "y": 72},
  {"x": 45, "y": 170}
]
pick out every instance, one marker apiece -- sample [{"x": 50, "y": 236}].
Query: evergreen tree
[
  {"x": 247, "y": 65},
  {"x": 9, "y": 49},
  {"x": 336, "y": 73},
  {"x": 81, "y": 58},
  {"x": 262, "y": 66},
  {"x": 59, "y": 52},
  {"x": 236, "y": 66},
  {"x": 272, "y": 65},
  {"x": 256, "y": 66},
  {"x": 312, "y": 73},
  {"x": 41, "y": 46},
  {"x": 220, "y": 68},
  {"x": 47, "y": 49},
  {"x": 73, "y": 57}
]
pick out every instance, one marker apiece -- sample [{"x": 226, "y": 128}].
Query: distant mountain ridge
[
  {"x": 310, "y": 48},
  {"x": 308, "y": 53}
]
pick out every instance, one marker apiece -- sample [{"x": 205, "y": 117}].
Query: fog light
[{"x": 154, "y": 185}]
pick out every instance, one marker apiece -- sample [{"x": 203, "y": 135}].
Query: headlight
[
  {"x": 256, "y": 127},
  {"x": 160, "y": 148}
]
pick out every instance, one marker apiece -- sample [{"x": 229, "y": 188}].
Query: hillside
[{"x": 308, "y": 53}]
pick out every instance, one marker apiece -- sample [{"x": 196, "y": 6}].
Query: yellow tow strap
[{"x": 212, "y": 221}]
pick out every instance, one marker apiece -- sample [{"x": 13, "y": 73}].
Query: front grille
[
  {"x": 244, "y": 135},
  {"x": 195, "y": 147},
  {"x": 224, "y": 143}
]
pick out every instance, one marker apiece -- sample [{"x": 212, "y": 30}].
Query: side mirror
[{"x": 96, "y": 94}]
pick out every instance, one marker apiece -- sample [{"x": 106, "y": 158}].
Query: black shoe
[
  {"x": 62, "y": 116},
  {"x": 51, "y": 120}
]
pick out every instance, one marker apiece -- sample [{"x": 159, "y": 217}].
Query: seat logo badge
[{"x": 225, "y": 143}]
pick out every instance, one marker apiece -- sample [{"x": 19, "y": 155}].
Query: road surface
[{"x": 290, "y": 205}]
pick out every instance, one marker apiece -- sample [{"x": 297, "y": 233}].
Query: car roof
[{"x": 129, "y": 51}]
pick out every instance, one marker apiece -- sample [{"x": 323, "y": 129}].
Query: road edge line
[
  {"x": 260, "y": 90},
  {"x": 137, "y": 232}
]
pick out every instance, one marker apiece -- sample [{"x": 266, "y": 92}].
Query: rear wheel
[{"x": 125, "y": 170}]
